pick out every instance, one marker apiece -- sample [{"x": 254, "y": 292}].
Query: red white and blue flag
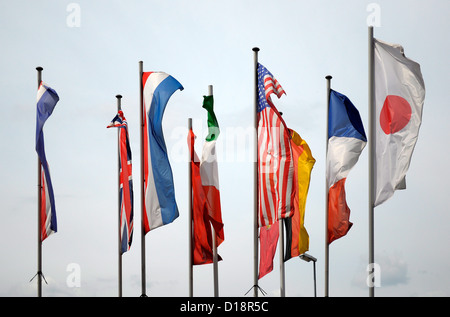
[
  {"x": 275, "y": 165},
  {"x": 126, "y": 182},
  {"x": 276, "y": 192},
  {"x": 46, "y": 102},
  {"x": 346, "y": 140},
  {"x": 160, "y": 207}
]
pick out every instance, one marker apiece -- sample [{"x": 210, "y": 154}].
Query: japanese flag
[{"x": 399, "y": 98}]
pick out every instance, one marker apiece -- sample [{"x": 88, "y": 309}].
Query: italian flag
[
  {"x": 209, "y": 171},
  {"x": 206, "y": 195}
]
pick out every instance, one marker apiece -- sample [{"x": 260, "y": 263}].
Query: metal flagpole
[
  {"x": 39, "y": 186},
  {"x": 191, "y": 253},
  {"x": 118, "y": 202},
  {"x": 142, "y": 183},
  {"x": 214, "y": 242},
  {"x": 281, "y": 252},
  {"x": 371, "y": 162},
  {"x": 328, "y": 78},
  {"x": 255, "y": 181}
]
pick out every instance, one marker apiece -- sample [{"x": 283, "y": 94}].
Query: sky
[{"x": 90, "y": 50}]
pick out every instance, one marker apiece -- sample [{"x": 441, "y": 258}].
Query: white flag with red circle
[{"x": 399, "y": 98}]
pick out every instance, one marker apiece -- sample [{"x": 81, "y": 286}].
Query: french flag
[
  {"x": 159, "y": 200},
  {"x": 46, "y": 102},
  {"x": 346, "y": 140}
]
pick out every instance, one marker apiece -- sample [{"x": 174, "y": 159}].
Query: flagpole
[
  {"x": 141, "y": 89},
  {"x": 119, "y": 253},
  {"x": 281, "y": 252},
  {"x": 371, "y": 162},
  {"x": 255, "y": 178},
  {"x": 191, "y": 253},
  {"x": 328, "y": 78},
  {"x": 39, "y": 186},
  {"x": 214, "y": 241}
]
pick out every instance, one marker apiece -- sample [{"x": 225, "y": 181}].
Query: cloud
[{"x": 394, "y": 270}]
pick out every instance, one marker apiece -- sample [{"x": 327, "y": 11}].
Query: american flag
[
  {"x": 275, "y": 165},
  {"x": 126, "y": 182}
]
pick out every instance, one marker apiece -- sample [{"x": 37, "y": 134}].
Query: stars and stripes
[{"x": 275, "y": 166}]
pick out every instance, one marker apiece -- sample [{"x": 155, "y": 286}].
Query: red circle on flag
[{"x": 395, "y": 114}]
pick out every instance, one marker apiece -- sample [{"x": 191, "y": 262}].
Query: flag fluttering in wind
[
  {"x": 209, "y": 171},
  {"x": 297, "y": 238},
  {"x": 268, "y": 235},
  {"x": 46, "y": 102},
  {"x": 206, "y": 209},
  {"x": 126, "y": 182},
  {"x": 346, "y": 140},
  {"x": 275, "y": 168},
  {"x": 160, "y": 205},
  {"x": 399, "y": 99}
]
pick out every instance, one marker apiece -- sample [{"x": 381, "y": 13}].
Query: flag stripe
[
  {"x": 275, "y": 166},
  {"x": 47, "y": 99},
  {"x": 125, "y": 181},
  {"x": 346, "y": 140},
  {"x": 160, "y": 207},
  {"x": 268, "y": 236},
  {"x": 46, "y": 215},
  {"x": 205, "y": 212},
  {"x": 297, "y": 238}
]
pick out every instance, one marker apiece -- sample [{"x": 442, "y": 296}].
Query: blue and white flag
[
  {"x": 160, "y": 205},
  {"x": 46, "y": 102},
  {"x": 346, "y": 140}
]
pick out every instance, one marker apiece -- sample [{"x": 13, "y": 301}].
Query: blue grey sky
[{"x": 90, "y": 52}]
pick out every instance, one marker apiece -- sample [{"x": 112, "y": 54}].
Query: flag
[
  {"x": 46, "y": 102},
  {"x": 346, "y": 140},
  {"x": 160, "y": 207},
  {"x": 275, "y": 169},
  {"x": 297, "y": 238},
  {"x": 399, "y": 98},
  {"x": 202, "y": 233},
  {"x": 275, "y": 166},
  {"x": 209, "y": 171},
  {"x": 268, "y": 237},
  {"x": 206, "y": 210},
  {"x": 126, "y": 182}
]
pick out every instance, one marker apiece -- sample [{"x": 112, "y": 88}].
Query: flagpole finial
[
  {"x": 255, "y": 49},
  {"x": 119, "y": 104},
  {"x": 39, "y": 69},
  {"x": 328, "y": 77}
]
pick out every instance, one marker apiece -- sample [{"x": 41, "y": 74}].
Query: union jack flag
[
  {"x": 126, "y": 182},
  {"x": 275, "y": 165}
]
